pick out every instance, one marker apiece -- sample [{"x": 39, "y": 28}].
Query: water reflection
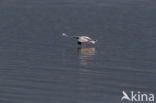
[{"x": 85, "y": 55}]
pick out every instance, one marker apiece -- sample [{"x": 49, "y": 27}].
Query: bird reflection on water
[{"x": 86, "y": 55}]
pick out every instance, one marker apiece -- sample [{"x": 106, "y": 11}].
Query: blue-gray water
[{"x": 38, "y": 65}]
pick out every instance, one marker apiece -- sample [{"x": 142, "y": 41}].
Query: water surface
[{"x": 38, "y": 65}]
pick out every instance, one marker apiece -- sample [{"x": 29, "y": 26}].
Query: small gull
[{"x": 81, "y": 39}]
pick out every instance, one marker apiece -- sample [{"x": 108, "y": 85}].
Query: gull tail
[{"x": 93, "y": 41}]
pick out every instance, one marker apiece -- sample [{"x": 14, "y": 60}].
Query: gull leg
[{"x": 88, "y": 43}]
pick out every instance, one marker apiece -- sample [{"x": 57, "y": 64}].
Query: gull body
[{"x": 83, "y": 39}]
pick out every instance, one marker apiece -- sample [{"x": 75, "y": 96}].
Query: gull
[{"x": 81, "y": 39}]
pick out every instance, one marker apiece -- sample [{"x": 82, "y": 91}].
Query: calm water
[{"x": 38, "y": 65}]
